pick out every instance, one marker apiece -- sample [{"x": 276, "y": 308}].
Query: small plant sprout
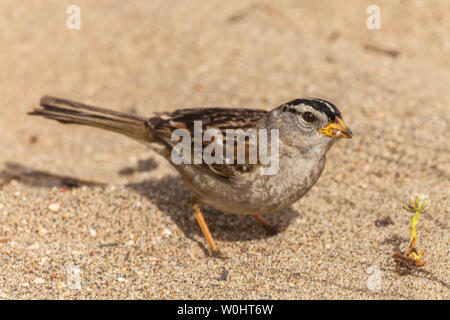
[{"x": 417, "y": 205}]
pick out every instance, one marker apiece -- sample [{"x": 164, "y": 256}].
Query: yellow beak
[{"x": 337, "y": 129}]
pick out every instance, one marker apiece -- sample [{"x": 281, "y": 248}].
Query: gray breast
[{"x": 254, "y": 193}]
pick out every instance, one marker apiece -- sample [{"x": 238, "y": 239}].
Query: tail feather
[{"x": 71, "y": 112}]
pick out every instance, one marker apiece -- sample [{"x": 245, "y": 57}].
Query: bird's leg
[
  {"x": 269, "y": 226},
  {"x": 196, "y": 210}
]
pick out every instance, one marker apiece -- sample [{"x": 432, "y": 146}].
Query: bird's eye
[{"x": 308, "y": 117}]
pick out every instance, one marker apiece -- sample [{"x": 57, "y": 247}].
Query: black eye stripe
[
  {"x": 289, "y": 108},
  {"x": 306, "y": 115},
  {"x": 317, "y": 104}
]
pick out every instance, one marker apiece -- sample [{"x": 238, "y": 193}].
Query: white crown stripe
[{"x": 326, "y": 103}]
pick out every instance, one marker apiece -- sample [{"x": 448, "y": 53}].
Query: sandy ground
[{"x": 90, "y": 214}]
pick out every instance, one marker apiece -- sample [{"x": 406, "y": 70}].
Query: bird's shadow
[
  {"x": 41, "y": 179},
  {"x": 172, "y": 197},
  {"x": 169, "y": 194}
]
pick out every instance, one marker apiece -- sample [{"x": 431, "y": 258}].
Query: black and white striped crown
[{"x": 317, "y": 104}]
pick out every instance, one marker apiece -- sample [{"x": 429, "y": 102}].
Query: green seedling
[{"x": 416, "y": 205}]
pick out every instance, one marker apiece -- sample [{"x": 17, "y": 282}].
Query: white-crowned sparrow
[{"x": 306, "y": 128}]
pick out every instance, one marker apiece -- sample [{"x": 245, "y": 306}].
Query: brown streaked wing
[{"x": 219, "y": 118}]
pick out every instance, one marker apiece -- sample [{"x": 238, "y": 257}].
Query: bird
[{"x": 300, "y": 132}]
